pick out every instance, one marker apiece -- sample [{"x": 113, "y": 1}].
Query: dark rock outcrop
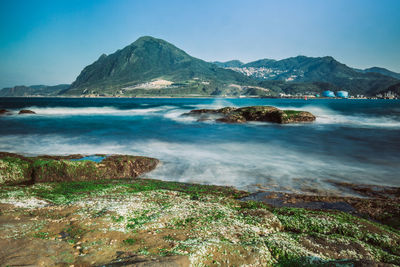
[
  {"x": 16, "y": 169},
  {"x": 26, "y": 111},
  {"x": 253, "y": 113},
  {"x": 4, "y": 111}
]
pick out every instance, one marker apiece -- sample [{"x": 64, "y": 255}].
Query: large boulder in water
[
  {"x": 26, "y": 111},
  {"x": 16, "y": 169},
  {"x": 253, "y": 113}
]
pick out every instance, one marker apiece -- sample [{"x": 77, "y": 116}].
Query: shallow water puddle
[{"x": 94, "y": 158}]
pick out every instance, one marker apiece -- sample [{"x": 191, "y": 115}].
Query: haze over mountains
[{"x": 154, "y": 67}]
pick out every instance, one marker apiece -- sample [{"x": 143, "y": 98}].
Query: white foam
[
  {"x": 324, "y": 115},
  {"x": 54, "y": 111},
  {"x": 328, "y": 116},
  {"x": 176, "y": 115},
  {"x": 239, "y": 164},
  {"x": 216, "y": 104}
]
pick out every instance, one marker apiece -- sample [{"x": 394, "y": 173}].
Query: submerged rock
[
  {"x": 253, "y": 113},
  {"x": 16, "y": 169},
  {"x": 4, "y": 111},
  {"x": 26, "y": 111}
]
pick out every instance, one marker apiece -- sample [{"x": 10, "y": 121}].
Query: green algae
[
  {"x": 14, "y": 170},
  {"x": 382, "y": 241},
  {"x": 336, "y": 222},
  {"x": 212, "y": 221},
  {"x": 64, "y": 170},
  {"x": 291, "y": 113}
]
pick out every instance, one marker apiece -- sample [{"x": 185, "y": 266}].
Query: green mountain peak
[{"x": 148, "y": 59}]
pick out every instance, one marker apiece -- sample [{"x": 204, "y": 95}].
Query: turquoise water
[
  {"x": 94, "y": 158},
  {"x": 352, "y": 140}
]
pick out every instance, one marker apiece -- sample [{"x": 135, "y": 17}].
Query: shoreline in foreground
[
  {"x": 116, "y": 222},
  {"x": 119, "y": 222}
]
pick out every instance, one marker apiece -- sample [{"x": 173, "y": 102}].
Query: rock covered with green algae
[
  {"x": 16, "y": 169},
  {"x": 253, "y": 113},
  {"x": 111, "y": 221}
]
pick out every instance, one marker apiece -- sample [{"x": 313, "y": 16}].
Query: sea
[{"x": 352, "y": 140}]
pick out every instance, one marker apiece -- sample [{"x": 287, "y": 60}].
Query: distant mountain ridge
[
  {"x": 229, "y": 64},
  {"x": 154, "y": 67},
  {"x": 33, "y": 90},
  {"x": 264, "y": 62},
  {"x": 318, "y": 69},
  {"x": 382, "y": 71}
]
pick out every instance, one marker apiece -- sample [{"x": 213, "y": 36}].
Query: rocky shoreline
[{"x": 88, "y": 221}]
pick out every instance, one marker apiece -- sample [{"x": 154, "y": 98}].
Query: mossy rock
[
  {"x": 293, "y": 116},
  {"x": 45, "y": 170},
  {"x": 112, "y": 167},
  {"x": 17, "y": 169},
  {"x": 14, "y": 169},
  {"x": 253, "y": 113},
  {"x": 210, "y": 225}
]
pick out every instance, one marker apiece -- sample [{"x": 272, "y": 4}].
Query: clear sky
[{"x": 49, "y": 42}]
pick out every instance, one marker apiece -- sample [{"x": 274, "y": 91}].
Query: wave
[
  {"x": 176, "y": 115},
  {"x": 48, "y": 111},
  {"x": 166, "y": 111},
  {"x": 216, "y": 104},
  {"x": 244, "y": 165},
  {"x": 326, "y": 115}
]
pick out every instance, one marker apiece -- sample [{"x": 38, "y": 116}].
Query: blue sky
[{"x": 49, "y": 42}]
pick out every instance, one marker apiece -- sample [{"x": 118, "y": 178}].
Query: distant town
[{"x": 340, "y": 94}]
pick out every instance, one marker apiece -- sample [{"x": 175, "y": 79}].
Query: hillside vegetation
[{"x": 154, "y": 67}]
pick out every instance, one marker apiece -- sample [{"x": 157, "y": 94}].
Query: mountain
[
  {"x": 154, "y": 66},
  {"x": 317, "y": 69},
  {"x": 229, "y": 64},
  {"x": 33, "y": 90},
  {"x": 260, "y": 63},
  {"x": 381, "y": 71}
]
